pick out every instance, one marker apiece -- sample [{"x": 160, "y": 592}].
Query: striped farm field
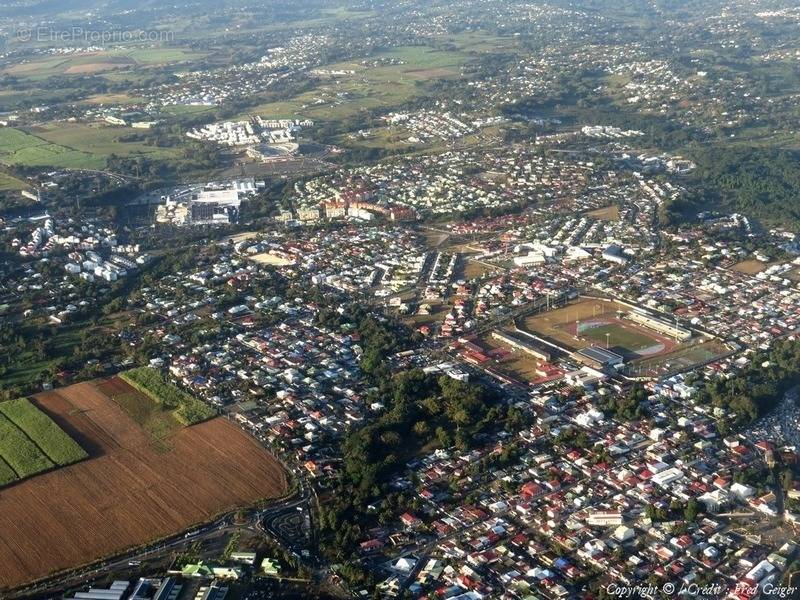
[
  {"x": 137, "y": 485},
  {"x": 19, "y": 452},
  {"x": 30, "y": 442},
  {"x": 51, "y": 440}
]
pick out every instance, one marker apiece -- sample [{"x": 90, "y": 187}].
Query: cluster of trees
[
  {"x": 757, "y": 388},
  {"x": 380, "y": 336},
  {"x": 628, "y": 406},
  {"x": 762, "y": 182},
  {"x": 422, "y": 410}
]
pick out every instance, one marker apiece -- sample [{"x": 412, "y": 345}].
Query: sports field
[
  {"x": 681, "y": 358},
  {"x": 127, "y": 492},
  {"x": 750, "y": 267},
  {"x": 590, "y": 322}
]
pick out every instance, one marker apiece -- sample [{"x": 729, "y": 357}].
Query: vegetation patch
[
  {"x": 20, "y": 148},
  {"x": 187, "y": 409},
  {"x": 42, "y": 431},
  {"x": 19, "y": 452}
]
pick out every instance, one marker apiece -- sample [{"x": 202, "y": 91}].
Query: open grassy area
[
  {"x": 100, "y": 62},
  {"x": 186, "y": 409},
  {"x": 155, "y": 419},
  {"x": 115, "y": 99},
  {"x": 20, "y": 148},
  {"x": 40, "y": 429},
  {"x": 99, "y": 139},
  {"x": 377, "y": 84},
  {"x": 72, "y": 145},
  {"x": 9, "y": 183}
]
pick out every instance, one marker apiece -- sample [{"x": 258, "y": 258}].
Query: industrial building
[{"x": 115, "y": 592}]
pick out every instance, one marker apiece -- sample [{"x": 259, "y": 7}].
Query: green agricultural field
[
  {"x": 101, "y": 62},
  {"x": 20, "y": 148},
  {"x": 42, "y": 431},
  {"x": 19, "y": 452},
  {"x": 155, "y": 419},
  {"x": 187, "y": 409},
  {"x": 7, "y": 474},
  {"x": 9, "y": 183},
  {"x": 72, "y": 145},
  {"x": 100, "y": 140},
  {"x": 181, "y": 110},
  {"x": 371, "y": 86}
]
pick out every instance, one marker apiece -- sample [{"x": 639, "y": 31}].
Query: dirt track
[{"x": 127, "y": 492}]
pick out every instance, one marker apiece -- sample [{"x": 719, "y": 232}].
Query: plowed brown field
[{"x": 128, "y": 492}]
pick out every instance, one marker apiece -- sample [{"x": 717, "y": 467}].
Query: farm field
[
  {"x": 128, "y": 492},
  {"x": 99, "y": 62},
  {"x": 99, "y": 139},
  {"x": 371, "y": 86},
  {"x": 71, "y": 145},
  {"x": 10, "y": 183},
  {"x": 30, "y": 442},
  {"x": 42, "y": 431},
  {"x": 184, "y": 408},
  {"x": 20, "y": 148}
]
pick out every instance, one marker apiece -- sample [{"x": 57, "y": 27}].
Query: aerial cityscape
[{"x": 414, "y": 299}]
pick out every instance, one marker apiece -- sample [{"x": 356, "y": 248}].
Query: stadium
[{"x": 273, "y": 152}]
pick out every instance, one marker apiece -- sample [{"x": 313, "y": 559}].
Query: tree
[{"x": 691, "y": 511}]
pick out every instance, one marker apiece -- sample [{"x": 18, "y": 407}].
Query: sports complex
[{"x": 650, "y": 345}]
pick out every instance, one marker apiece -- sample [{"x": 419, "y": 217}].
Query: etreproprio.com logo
[{"x": 90, "y": 36}]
